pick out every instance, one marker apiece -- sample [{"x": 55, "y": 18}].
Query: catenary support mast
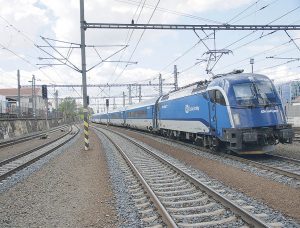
[{"x": 83, "y": 71}]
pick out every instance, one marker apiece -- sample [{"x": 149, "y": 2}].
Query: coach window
[{"x": 220, "y": 98}]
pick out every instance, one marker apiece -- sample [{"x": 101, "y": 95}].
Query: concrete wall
[{"x": 19, "y": 127}]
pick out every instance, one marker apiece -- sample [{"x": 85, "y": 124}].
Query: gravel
[
  {"x": 10, "y": 151},
  {"x": 276, "y": 195},
  {"x": 124, "y": 203},
  {"x": 258, "y": 207},
  {"x": 288, "y": 150},
  {"x": 69, "y": 188}
]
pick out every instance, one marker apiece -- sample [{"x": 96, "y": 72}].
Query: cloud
[
  {"x": 59, "y": 19},
  {"x": 204, "y": 5}
]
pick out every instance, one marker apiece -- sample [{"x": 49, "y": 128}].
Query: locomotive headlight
[{"x": 236, "y": 118}]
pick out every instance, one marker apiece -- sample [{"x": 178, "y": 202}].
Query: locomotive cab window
[{"x": 216, "y": 97}]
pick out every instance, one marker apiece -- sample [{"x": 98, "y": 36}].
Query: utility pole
[
  {"x": 140, "y": 93},
  {"x": 160, "y": 85},
  {"x": 252, "y": 63},
  {"x": 175, "y": 77},
  {"x": 123, "y": 99},
  {"x": 129, "y": 94},
  {"x": 56, "y": 103},
  {"x": 19, "y": 98},
  {"x": 83, "y": 71},
  {"x": 33, "y": 96}
]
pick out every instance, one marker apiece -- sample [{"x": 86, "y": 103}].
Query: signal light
[{"x": 44, "y": 92}]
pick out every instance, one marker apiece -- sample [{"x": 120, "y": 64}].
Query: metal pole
[
  {"x": 56, "y": 103},
  {"x": 46, "y": 100},
  {"x": 175, "y": 78},
  {"x": 160, "y": 85},
  {"x": 83, "y": 71},
  {"x": 19, "y": 98},
  {"x": 252, "y": 62},
  {"x": 123, "y": 99},
  {"x": 140, "y": 93},
  {"x": 129, "y": 94},
  {"x": 34, "y": 98}
]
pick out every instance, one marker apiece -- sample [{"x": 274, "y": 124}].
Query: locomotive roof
[
  {"x": 201, "y": 86},
  {"x": 241, "y": 77}
]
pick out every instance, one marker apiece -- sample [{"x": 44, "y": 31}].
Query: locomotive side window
[
  {"x": 220, "y": 98},
  {"x": 216, "y": 96}
]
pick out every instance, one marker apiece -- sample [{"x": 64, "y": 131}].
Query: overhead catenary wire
[
  {"x": 139, "y": 40},
  {"x": 197, "y": 43},
  {"x": 128, "y": 37},
  {"x": 178, "y": 13},
  {"x": 32, "y": 41},
  {"x": 264, "y": 35}
]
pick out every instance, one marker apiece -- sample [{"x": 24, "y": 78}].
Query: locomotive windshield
[{"x": 254, "y": 93}]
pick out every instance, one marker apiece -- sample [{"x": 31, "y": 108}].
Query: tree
[{"x": 68, "y": 107}]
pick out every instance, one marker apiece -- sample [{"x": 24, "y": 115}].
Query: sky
[{"x": 24, "y": 24}]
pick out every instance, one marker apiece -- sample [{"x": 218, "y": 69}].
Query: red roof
[{"x": 25, "y": 92}]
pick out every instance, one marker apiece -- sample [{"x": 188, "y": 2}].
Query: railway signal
[{"x": 44, "y": 92}]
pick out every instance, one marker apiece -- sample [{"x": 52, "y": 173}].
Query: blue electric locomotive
[{"x": 239, "y": 112}]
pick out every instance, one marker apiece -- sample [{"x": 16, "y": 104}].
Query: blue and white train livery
[{"x": 237, "y": 111}]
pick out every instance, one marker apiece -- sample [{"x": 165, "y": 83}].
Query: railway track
[
  {"x": 297, "y": 137},
  {"x": 181, "y": 199},
  {"x": 11, "y": 142},
  {"x": 277, "y": 164},
  {"x": 20, "y": 161}
]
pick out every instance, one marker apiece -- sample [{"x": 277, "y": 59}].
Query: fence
[{"x": 10, "y": 110}]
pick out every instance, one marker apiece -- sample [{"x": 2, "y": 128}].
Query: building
[
  {"x": 27, "y": 95},
  {"x": 289, "y": 91},
  {"x": 292, "y": 111}
]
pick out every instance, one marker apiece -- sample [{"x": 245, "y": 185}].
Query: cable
[
  {"x": 172, "y": 12},
  {"x": 138, "y": 40},
  {"x": 128, "y": 38},
  {"x": 262, "y": 8},
  {"x": 207, "y": 36},
  {"x": 32, "y": 41},
  {"x": 243, "y": 11}
]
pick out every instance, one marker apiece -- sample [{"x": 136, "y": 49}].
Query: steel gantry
[
  {"x": 189, "y": 27},
  {"x": 106, "y": 85}
]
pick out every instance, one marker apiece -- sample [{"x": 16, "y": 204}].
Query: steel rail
[
  {"x": 246, "y": 216},
  {"x": 264, "y": 166},
  {"x": 4, "y": 162},
  {"x": 285, "y": 158},
  {"x": 233, "y": 157},
  {"x": 8, "y": 173},
  {"x": 166, "y": 217},
  {"x": 28, "y": 137}
]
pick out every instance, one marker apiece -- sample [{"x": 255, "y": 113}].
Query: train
[{"x": 238, "y": 112}]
